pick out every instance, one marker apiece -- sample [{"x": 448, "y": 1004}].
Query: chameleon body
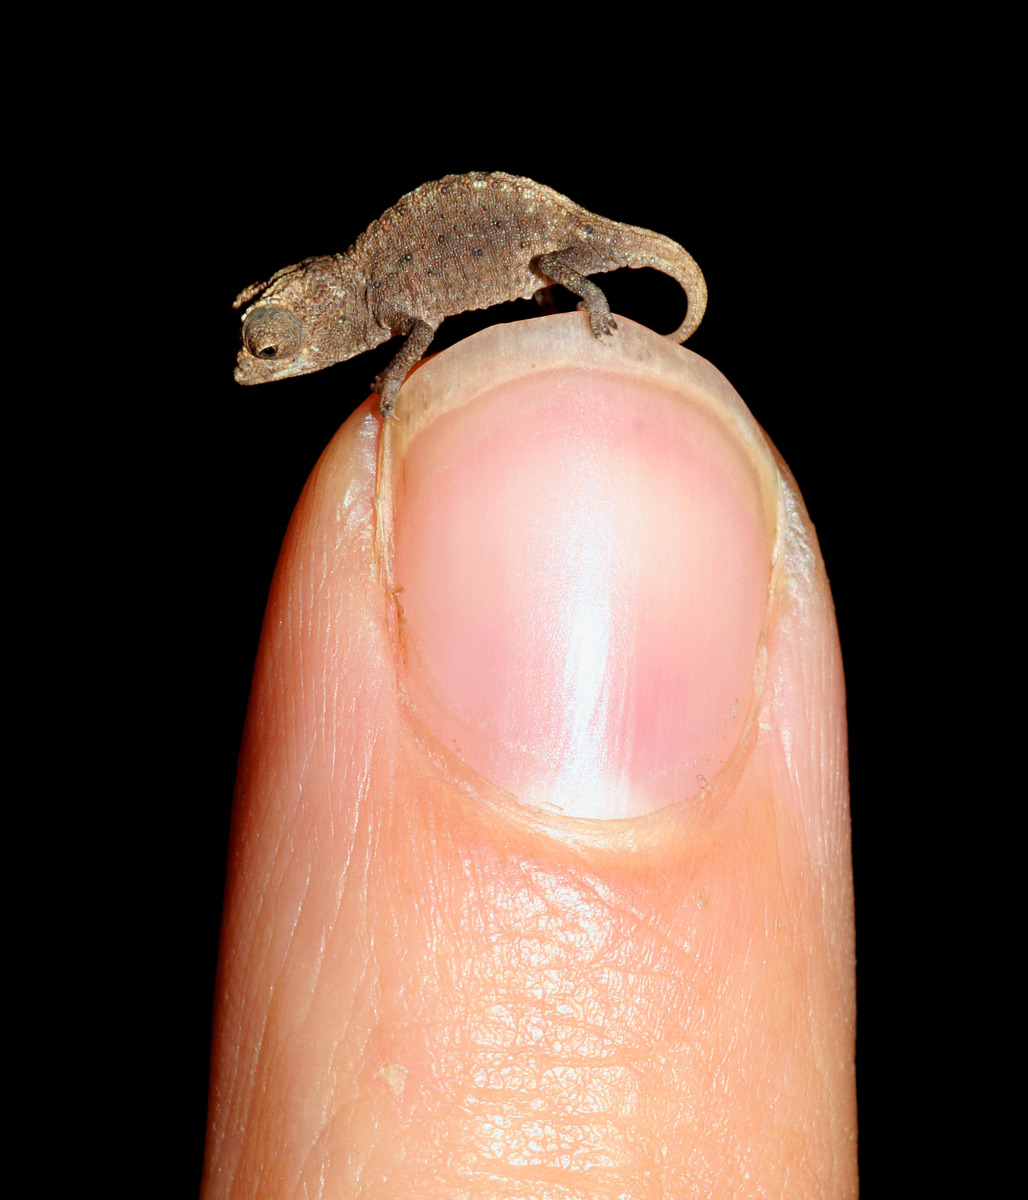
[{"x": 463, "y": 242}]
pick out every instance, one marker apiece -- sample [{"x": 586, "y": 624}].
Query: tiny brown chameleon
[{"x": 463, "y": 242}]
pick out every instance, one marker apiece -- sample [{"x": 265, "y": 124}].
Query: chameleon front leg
[
  {"x": 557, "y": 267},
  {"x": 419, "y": 335}
]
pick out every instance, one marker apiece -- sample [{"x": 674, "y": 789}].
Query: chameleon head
[{"x": 301, "y": 321}]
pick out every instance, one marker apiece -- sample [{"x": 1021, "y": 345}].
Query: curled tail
[{"x": 645, "y": 249}]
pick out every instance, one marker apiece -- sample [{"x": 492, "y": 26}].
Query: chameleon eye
[{"x": 272, "y": 333}]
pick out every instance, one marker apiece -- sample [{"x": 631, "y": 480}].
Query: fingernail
[{"x": 579, "y": 537}]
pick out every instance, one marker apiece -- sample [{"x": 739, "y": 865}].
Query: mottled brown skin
[{"x": 463, "y": 242}]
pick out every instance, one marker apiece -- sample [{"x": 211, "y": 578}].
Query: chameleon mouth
[
  {"x": 247, "y": 370},
  {"x": 252, "y": 369}
]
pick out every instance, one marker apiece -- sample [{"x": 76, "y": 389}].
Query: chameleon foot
[{"x": 601, "y": 321}]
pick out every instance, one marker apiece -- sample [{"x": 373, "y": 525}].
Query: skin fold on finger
[{"x": 429, "y": 989}]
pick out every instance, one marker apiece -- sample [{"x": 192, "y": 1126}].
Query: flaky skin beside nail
[{"x": 463, "y": 242}]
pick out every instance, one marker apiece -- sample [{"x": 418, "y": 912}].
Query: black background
[{"x": 789, "y": 198}]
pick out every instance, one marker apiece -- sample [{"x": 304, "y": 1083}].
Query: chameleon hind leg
[{"x": 557, "y": 266}]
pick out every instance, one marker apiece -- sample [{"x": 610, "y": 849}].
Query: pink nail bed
[{"x": 581, "y": 552}]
